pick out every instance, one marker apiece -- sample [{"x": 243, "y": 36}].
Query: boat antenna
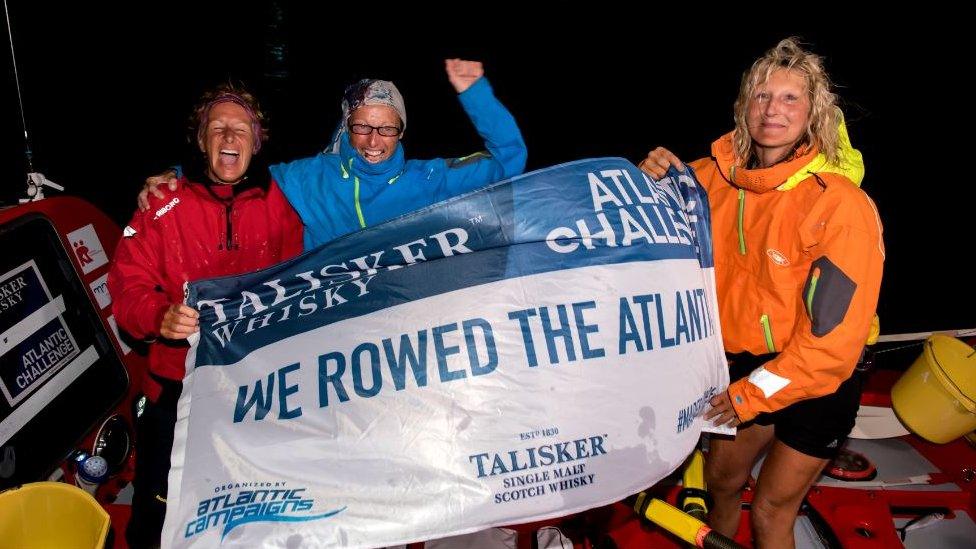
[
  {"x": 20, "y": 100},
  {"x": 35, "y": 180}
]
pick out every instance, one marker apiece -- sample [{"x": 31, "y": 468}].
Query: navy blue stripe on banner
[{"x": 584, "y": 213}]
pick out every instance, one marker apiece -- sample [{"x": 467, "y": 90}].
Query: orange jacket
[{"x": 798, "y": 268}]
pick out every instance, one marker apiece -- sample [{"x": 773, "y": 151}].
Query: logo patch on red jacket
[
  {"x": 165, "y": 209},
  {"x": 777, "y": 257}
]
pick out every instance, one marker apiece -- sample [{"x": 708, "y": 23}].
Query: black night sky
[{"x": 107, "y": 90}]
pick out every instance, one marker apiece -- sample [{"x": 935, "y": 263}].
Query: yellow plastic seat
[{"x": 51, "y": 515}]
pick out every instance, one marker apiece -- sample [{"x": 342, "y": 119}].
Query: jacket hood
[{"x": 787, "y": 175}]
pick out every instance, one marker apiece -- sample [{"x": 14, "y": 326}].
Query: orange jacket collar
[{"x": 757, "y": 180}]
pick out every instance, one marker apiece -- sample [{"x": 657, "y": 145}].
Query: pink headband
[{"x": 238, "y": 100}]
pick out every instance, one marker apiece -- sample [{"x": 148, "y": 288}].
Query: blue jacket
[{"x": 336, "y": 194}]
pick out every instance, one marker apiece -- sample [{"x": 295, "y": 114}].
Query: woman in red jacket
[
  {"x": 225, "y": 217},
  {"x": 798, "y": 260}
]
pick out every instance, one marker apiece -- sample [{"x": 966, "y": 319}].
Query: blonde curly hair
[{"x": 825, "y": 115}]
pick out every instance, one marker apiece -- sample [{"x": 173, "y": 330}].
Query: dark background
[{"x": 107, "y": 90}]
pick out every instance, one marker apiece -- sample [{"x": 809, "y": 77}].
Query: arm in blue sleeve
[{"x": 506, "y": 149}]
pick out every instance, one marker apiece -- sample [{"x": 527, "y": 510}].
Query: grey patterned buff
[{"x": 367, "y": 92}]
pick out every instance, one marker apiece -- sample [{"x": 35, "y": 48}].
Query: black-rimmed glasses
[{"x": 366, "y": 129}]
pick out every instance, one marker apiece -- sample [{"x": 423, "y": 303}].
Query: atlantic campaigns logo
[{"x": 246, "y": 502}]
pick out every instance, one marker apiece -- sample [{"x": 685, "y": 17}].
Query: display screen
[{"x": 59, "y": 374}]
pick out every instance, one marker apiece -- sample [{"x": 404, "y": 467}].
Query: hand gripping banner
[{"x": 525, "y": 351}]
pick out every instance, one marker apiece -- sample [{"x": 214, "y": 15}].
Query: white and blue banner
[{"x": 529, "y": 350}]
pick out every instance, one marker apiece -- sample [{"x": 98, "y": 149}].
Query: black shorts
[
  {"x": 816, "y": 427},
  {"x": 154, "y": 442}
]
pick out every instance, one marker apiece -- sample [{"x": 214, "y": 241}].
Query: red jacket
[{"x": 196, "y": 232}]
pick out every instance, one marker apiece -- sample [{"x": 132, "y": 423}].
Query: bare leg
[
  {"x": 727, "y": 469},
  {"x": 784, "y": 480}
]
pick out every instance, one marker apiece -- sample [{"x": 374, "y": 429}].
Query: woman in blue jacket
[{"x": 364, "y": 178}]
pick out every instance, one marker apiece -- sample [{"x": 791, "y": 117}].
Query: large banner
[{"x": 526, "y": 351}]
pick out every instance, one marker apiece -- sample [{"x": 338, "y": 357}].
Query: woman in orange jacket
[{"x": 798, "y": 260}]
